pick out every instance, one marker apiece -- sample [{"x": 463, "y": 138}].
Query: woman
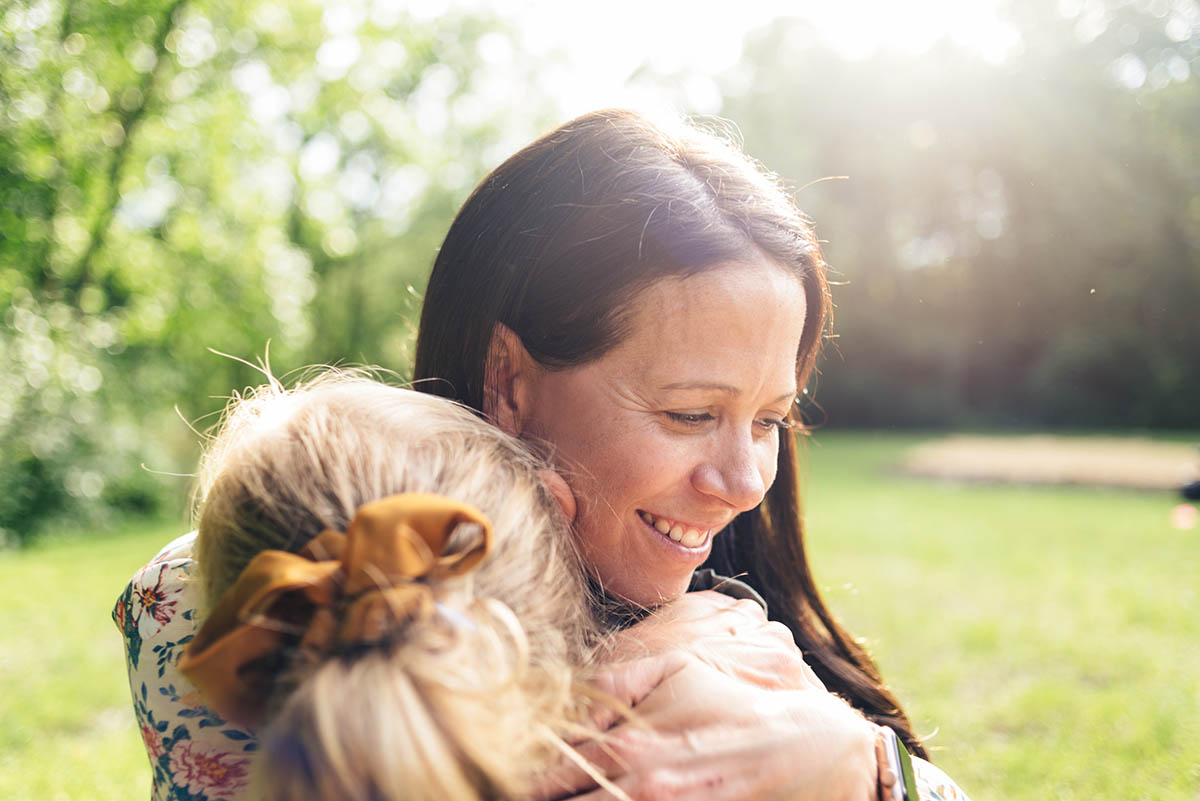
[
  {"x": 643, "y": 301},
  {"x": 644, "y": 306}
]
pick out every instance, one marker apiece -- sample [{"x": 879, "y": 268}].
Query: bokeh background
[
  {"x": 1009, "y": 193},
  {"x": 1017, "y": 233}
]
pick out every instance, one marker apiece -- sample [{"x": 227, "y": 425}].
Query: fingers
[
  {"x": 629, "y": 682},
  {"x": 706, "y": 604},
  {"x": 729, "y": 634},
  {"x": 695, "y": 615},
  {"x": 698, "y": 604},
  {"x": 663, "y": 784},
  {"x": 665, "y": 692},
  {"x": 710, "y": 610},
  {"x": 620, "y": 687},
  {"x": 763, "y": 665},
  {"x": 701, "y": 735},
  {"x": 601, "y": 759}
]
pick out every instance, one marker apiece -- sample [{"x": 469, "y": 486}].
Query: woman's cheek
[
  {"x": 637, "y": 448},
  {"x": 769, "y": 462}
]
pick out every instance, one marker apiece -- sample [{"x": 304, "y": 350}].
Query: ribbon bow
[{"x": 341, "y": 589}]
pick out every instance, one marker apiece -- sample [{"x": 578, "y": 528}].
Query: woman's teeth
[{"x": 687, "y": 537}]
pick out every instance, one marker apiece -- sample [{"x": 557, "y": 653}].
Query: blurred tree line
[{"x": 1019, "y": 242}]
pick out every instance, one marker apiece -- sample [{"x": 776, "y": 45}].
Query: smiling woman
[
  {"x": 642, "y": 302},
  {"x": 675, "y": 431}
]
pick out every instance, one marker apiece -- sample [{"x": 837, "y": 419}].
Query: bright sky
[{"x": 608, "y": 41}]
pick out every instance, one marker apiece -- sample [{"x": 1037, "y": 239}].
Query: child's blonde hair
[{"x": 462, "y": 706}]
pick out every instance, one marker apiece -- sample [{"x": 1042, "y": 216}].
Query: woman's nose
[{"x": 735, "y": 474}]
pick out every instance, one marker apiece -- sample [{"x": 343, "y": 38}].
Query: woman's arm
[
  {"x": 726, "y": 710},
  {"x": 731, "y": 634},
  {"x": 702, "y": 734}
]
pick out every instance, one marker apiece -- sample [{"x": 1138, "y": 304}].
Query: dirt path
[{"x": 1102, "y": 461}]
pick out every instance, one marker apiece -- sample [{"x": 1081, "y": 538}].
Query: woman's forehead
[{"x": 719, "y": 329}]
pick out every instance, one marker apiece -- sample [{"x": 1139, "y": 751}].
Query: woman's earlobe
[
  {"x": 561, "y": 491},
  {"x": 506, "y": 377}
]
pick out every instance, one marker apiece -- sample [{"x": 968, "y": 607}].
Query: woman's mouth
[{"x": 682, "y": 533}]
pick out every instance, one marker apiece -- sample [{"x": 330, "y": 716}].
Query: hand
[
  {"x": 732, "y": 635},
  {"x": 700, "y": 734}
]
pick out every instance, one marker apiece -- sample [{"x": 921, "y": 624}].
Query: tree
[{"x": 177, "y": 176}]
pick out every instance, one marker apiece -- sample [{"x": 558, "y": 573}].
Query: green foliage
[
  {"x": 177, "y": 176},
  {"x": 1019, "y": 243}
]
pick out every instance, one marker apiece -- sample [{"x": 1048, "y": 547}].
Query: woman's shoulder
[{"x": 708, "y": 579}]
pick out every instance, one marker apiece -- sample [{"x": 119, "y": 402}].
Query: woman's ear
[
  {"x": 507, "y": 381},
  {"x": 561, "y": 492}
]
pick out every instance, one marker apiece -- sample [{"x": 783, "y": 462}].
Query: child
[{"x": 450, "y": 679}]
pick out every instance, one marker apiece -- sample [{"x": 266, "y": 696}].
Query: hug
[{"x": 602, "y": 429}]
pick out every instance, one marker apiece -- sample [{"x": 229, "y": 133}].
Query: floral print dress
[
  {"x": 195, "y": 755},
  {"x": 933, "y": 784}
]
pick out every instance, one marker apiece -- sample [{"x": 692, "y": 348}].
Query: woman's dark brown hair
[{"x": 557, "y": 240}]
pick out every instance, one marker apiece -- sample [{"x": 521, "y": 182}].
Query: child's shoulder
[
  {"x": 193, "y": 752},
  {"x": 934, "y": 785},
  {"x": 181, "y": 547},
  {"x": 161, "y": 600}
]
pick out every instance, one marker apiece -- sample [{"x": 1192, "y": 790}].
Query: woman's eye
[
  {"x": 774, "y": 424},
  {"x": 689, "y": 418}
]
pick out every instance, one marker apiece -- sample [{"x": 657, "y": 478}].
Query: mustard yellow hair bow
[{"x": 342, "y": 589}]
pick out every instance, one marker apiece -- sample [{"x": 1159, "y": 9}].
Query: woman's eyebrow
[{"x": 726, "y": 389}]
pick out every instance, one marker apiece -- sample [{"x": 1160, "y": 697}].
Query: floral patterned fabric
[
  {"x": 194, "y": 754},
  {"x": 197, "y": 756},
  {"x": 934, "y": 785}
]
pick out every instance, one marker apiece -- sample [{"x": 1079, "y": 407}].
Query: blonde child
[{"x": 362, "y": 675}]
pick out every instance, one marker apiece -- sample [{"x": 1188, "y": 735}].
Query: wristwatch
[{"x": 905, "y": 787}]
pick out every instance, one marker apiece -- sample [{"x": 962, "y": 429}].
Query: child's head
[{"x": 457, "y": 705}]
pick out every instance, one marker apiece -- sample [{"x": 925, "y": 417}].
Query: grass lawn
[
  {"x": 68, "y": 731},
  {"x": 1048, "y": 636}
]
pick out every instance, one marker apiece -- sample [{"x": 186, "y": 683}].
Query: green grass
[
  {"x": 1049, "y": 636},
  {"x": 68, "y": 732}
]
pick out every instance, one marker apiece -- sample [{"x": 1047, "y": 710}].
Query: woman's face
[{"x": 675, "y": 431}]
